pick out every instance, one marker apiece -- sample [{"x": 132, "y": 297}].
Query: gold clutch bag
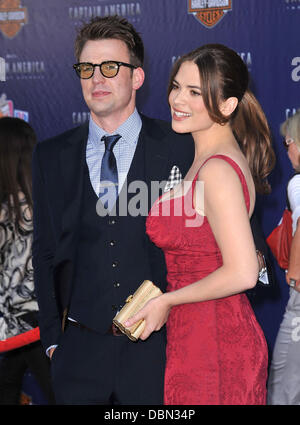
[{"x": 134, "y": 303}]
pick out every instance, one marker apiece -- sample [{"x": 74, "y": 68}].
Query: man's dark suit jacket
[{"x": 59, "y": 172}]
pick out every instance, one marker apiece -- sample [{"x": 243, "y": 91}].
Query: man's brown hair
[{"x": 112, "y": 27}]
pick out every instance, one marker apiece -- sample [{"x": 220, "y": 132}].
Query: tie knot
[{"x": 110, "y": 141}]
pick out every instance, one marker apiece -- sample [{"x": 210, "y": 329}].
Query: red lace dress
[{"x": 216, "y": 350}]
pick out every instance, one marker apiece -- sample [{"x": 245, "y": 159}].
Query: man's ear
[
  {"x": 138, "y": 78},
  {"x": 228, "y": 106}
]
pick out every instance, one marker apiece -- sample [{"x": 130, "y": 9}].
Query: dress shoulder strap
[{"x": 237, "y": 169}]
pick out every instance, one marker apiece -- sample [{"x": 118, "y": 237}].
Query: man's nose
[{"x": 97, "y": 76}]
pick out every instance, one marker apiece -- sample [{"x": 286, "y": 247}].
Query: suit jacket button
[
  {"x": 114, "y": 264},
  {"x": 117, "y": 285},
  {"x": 112, "y": 243}
]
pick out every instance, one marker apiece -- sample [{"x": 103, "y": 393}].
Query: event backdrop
[{"x": 38, "y": 83}]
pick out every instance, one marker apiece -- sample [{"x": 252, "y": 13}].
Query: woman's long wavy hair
[
  {"x": 17, "y": 140},
  {"x": 223, "y": 74}
]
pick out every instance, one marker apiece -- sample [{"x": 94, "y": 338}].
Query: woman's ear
[{"x": 228, "y": 106}]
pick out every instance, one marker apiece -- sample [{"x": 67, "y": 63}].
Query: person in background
[
  {"x": 216, "y": 350},
  {"x": 18, "y": 305},
  {"x": 88, "y": 258},
  {"x": 284, "y": 375}
]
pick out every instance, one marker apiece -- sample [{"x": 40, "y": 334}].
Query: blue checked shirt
[{"x": 123, "y": 150}]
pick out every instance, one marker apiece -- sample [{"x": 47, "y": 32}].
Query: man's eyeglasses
[
  {"x": 287, "y": 142},
  {"x": 108, "y": 69}
]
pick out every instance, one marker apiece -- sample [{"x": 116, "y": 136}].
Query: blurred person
[
  {"x": 284, "y": 375},
  {"x": 18, "y": 305},
  {"x": 87, "y": 263},
  {"x": 216, "y": 350}
]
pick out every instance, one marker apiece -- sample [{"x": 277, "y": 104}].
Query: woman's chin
[{"x": 179, "y": 128}]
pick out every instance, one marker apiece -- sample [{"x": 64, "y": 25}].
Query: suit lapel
[
  {"x": 157, "y": 151},
  {"x": 157, "y": 155},
  {"x": 72, "y": 163}
]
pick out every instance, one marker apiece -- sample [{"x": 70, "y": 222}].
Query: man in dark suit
[{"x": 86, "y": 262}]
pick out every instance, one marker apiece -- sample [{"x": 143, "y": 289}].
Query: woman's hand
[{"x": 155, "y": 313}]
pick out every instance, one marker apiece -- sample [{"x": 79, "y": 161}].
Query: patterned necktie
[{"x": 109, "y": 173}]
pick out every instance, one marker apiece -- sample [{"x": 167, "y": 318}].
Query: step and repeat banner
[{"x": 38, "y": 84}]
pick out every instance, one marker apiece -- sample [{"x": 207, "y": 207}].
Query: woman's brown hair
[
  {"x": 223, "y": 74},
  {"x": 17, "y": 140}
]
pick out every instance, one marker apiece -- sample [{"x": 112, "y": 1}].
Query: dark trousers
[
  {"x": 13, "y": 365},
  {"x": 90, "y": 368}
]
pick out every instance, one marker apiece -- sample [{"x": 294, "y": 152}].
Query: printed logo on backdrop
[
  {"x": 292, "y": 4},
  {"x": 12, "y": 17},
  {"x": 289, "y": 112},
  {"x": 130, "y": 10},
  {"x": 19, "y": 69},
  {"x": 247, "y": 58},
  {"x": 209, "y": 12},
  {"x": 79, "y": 118},
  {"x": 7, "y": 109}
]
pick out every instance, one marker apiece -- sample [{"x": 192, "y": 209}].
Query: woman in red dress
[{"x": 216, "y": 350}]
